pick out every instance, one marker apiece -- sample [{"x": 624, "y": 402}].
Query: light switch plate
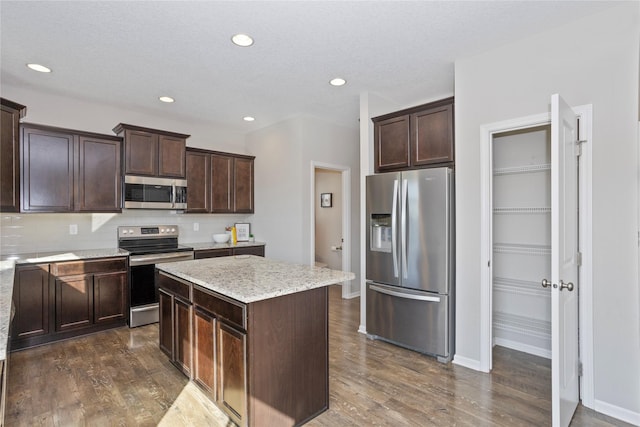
[
  {"x": 73, "y": 229},
  {"x": 196, "y": 226}
]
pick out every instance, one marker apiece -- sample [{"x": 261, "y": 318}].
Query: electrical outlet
[
  {"x": 73, "y": 229},
  {"x": 196, "y": 226}
]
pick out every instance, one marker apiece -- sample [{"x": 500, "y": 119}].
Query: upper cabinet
[
  {"x": 152, "y": 152},
  {"x": 219, "y": 182},
  {"x": 417, "y": 137},
  {"x": 69, "y": 171},
  {"x": 11, "y": 113}
]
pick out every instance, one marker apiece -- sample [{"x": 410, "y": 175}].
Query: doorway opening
[
  {"x": 514, "y": 246},
  {"x": 330, "y": 213}
]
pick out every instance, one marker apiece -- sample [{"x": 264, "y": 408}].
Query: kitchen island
[{"x": 252, "y": 333}]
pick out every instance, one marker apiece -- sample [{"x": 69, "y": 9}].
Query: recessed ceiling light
[
  {"x": 40, "y": 68},
  {"x": 248, "y": 118},
  {"x": 166, "y": 99},
  {"x": 242, "y": 40},
  {"x": 337, "y": 82}
]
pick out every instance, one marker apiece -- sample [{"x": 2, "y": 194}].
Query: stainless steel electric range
[{"x": 148, "y": 246}]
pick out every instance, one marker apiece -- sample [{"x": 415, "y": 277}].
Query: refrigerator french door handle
[
  {"x": 405, "y": 191},
  {"x": 403, "y": 295},
  {"x": 394, "y": 222}
]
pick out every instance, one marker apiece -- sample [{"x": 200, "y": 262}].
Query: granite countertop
[
  {"x": 213, "y": 245},
  {"x": 248, "y": 278},
  {"x": 7, "y": 268}
]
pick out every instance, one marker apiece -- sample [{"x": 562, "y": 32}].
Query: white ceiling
[{"x": 129, "y": 53}]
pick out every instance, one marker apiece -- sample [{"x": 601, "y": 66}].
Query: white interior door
[{"x": 564, "y": 262}]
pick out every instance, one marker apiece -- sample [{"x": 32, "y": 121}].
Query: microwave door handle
[{"x": 173, "y": 194}]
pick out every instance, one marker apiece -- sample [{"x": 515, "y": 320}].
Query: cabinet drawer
[
  {"x": 225, "y": 308},
  {"x": 73, "y": 268},
  {"x": 211, "y": 253},
  {"x": 249, "y": 250},
  {"x": 173, "y": 286}
]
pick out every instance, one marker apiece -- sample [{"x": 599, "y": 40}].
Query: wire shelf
[
  {"x": 532, "y": 210},
  {"x": 522, "y": 169}
]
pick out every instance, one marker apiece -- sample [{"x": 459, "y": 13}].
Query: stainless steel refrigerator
[{"x": 410, "y": 260}]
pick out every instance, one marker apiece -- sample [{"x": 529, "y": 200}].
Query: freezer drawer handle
[{"x": 403, "y": 295}]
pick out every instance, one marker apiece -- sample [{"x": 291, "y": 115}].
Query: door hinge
[
  {"x": 578, "y": 147},
  {"x": 578, "y": 258},
  {"x": 580, "y": 369}
]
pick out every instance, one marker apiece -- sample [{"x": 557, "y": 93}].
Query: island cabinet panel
[
  {"x": 66, "y": 299},
  {"x": 175, "y": 321},
  {"x": 31, "y": 300},
  {"x": 232, "y": 352},
  {"x": 286, "y": 336},
  {"x": 205, "y": 365},
  {"x": 10, "y": 115}
]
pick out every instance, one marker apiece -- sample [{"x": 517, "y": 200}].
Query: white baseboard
[
  {"x": 352, "y": 295},
  {"x": 362, "y": 329},
  {"x": 466, "y": 362},
  {"x": 617, "y": 412},
  {"x": 530, "y": 349}
]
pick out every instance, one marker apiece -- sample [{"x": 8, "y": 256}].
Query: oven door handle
[{"x": 159, "y": 258}]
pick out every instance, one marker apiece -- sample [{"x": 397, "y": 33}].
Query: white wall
[
  {"x": 284, "y": 155},
  {"x": 328, "y": 221},
  {"x": 590, "y": 61}
]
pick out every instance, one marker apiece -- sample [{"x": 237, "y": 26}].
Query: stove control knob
[
  {"x": 173, "y": 230},
  {"x": 124, "y": 231},
  {"x": 130, "y": 231}
]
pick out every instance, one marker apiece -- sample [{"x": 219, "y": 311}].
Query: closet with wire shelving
[{"x": 521, "y": 224}]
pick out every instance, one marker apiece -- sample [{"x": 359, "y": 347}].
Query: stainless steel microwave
[{"x": 142, "y": 192}]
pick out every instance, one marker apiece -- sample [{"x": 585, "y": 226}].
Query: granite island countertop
[
  {"x": 248, "y": 278},
  {"x": 7, "y": 270}
]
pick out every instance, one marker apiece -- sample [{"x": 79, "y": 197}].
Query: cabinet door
[
  {"x": 221, "y": 184},
  {"x": 31, "y": 300},
  {"x": 74, "y": 302},
  {"x": 47, "y": 170},
  {"x": 141, "y": 152},
  {"x": 109, "y": 295},
  {"x": 204, "y": 348},
  {"x": 99, "y": 180},
  {"x": 232, "y": 392},
  {"x": 391, "y": 143},
  {"x": 249, "y": 250},
  {"x": 171, "y": 156},
  {"x": 182, "y": 335},
  {"x": 432, "y": 136},
  {"x": 211, "y": 253},
  {"x": 198, "y": 175},
  {"x": 10, "y": 157},
  {"x": 165, "y": 323},
  {"x": 243, "y": 185}
]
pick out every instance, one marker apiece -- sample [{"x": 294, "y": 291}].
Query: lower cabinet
[
  {"x": 175, "y": 321},
  {"x": 238, "y": 250},
  {"x": 262, "y": 363},
  {"x": 61, "y": 300}
]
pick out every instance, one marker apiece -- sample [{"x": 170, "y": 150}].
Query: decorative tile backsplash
[{"x": 27, "y": 233}]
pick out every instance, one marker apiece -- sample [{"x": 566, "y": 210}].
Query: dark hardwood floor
[{"x": 120, "y": 378}]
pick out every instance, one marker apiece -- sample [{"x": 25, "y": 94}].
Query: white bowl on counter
[{"x": 221, "y": 238}]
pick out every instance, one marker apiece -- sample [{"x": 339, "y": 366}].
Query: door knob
[
  {"x": 567, "y": 286},
  {"x": 545, "y": 283}
]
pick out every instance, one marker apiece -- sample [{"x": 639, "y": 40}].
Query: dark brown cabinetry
[
  {"x": 175, "y": 321},
  {"x": 223, "y": 182},
  {"x": 65, "y": 299},
  {"x": 10, "y": 115},
  {"x": 239, "y": 250},
  {"x": 153, "y": 152},
  {"x": 413, "y": 138},
  {"x": 31, "y": 301},
  {"x": 67, "y": 171},
  {"x": 263, "y": 363}
]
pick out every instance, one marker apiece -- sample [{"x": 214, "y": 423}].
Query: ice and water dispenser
[{"x": 380, "y": 232}]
